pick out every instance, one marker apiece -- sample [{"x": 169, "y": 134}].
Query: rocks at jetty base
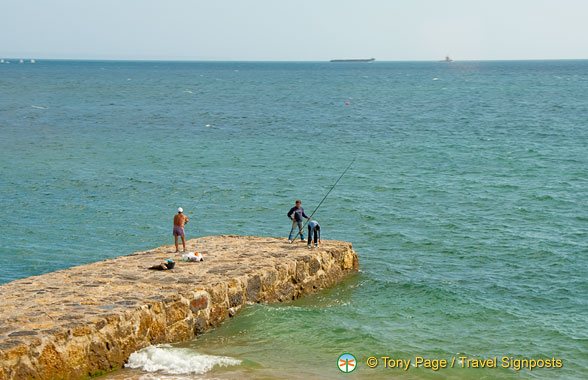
[{"x": 86, "y": 320}]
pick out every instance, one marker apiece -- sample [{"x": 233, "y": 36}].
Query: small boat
[
  {"x": 21, "y": 61},
  {"x": 447, "y": 59},
  {"x": 33, "y": 61},
  {"x": 2, "y": 60}
]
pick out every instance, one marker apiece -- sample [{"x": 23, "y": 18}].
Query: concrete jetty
[{"x": 87, "y": 320}]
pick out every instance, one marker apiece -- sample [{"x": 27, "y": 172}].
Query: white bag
[{"x": 192, "y": 256}]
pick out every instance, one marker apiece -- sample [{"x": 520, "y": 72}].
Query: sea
[{"x": 467, "y": 203}]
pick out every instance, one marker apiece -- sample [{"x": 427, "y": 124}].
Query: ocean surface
[{"x": 467, "y": 202}]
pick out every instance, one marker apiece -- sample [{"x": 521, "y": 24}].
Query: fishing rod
[
  {"x": 325, "y": 197},
  {"x": 201, "y": 196}
]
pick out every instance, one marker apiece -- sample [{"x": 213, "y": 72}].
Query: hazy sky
[{"x": 294, "y": 30}]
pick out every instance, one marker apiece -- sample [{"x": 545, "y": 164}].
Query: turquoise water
[{"x": 467, "y": 202}]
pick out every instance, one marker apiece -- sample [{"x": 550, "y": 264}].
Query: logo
[{"x": 346, "y": 363}]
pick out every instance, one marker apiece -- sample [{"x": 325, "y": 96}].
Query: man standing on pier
[
  {"x": 179, "y": 220},
  {"x": 296, "y": 214}
]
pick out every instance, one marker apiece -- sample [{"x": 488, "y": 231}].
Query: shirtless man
[{"x": 179, "y": 220}]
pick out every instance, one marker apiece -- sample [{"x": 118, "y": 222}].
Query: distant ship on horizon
[
  {"x": 447, "y": 59},
  {"x": 353, "y": 60}
]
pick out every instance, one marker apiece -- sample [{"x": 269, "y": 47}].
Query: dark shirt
[{"x": 298, "y": 213}]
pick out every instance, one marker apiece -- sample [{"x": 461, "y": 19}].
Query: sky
[{"x": 302, "y": 30}]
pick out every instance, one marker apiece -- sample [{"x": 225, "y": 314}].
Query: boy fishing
[
  {"x": 314, "y": 229},
  {"x": 296, "y": 214}
]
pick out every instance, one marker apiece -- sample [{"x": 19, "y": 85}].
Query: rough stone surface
[{"x": 85, "y": 320}]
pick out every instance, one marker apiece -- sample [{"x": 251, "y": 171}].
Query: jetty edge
[{"x": 86, "y": 320}]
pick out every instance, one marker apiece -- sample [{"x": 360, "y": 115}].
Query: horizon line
[{"x": 276, "y": 61}]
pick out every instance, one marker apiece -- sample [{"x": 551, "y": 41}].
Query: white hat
[{"x": 180, "y": 209}]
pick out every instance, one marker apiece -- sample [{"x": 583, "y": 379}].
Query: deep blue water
[{"x": 468, "y": 201}]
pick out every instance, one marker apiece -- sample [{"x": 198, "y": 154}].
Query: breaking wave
[{"x": 176, "y": 361}]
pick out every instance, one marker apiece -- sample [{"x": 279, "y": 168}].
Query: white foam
[{"x": 176, "y": 361}]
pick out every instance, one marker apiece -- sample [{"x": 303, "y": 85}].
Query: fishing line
[{"x": 325, "y": 197}]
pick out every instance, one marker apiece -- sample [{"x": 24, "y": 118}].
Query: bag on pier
[
  {"x": 167, "y": 264},
  {"x": 192, "y": 256}
]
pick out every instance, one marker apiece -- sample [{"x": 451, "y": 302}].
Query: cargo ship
[{"x": 353, "y": 60}]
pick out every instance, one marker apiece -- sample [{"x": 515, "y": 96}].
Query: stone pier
[{"x": 87, "y": 320}]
